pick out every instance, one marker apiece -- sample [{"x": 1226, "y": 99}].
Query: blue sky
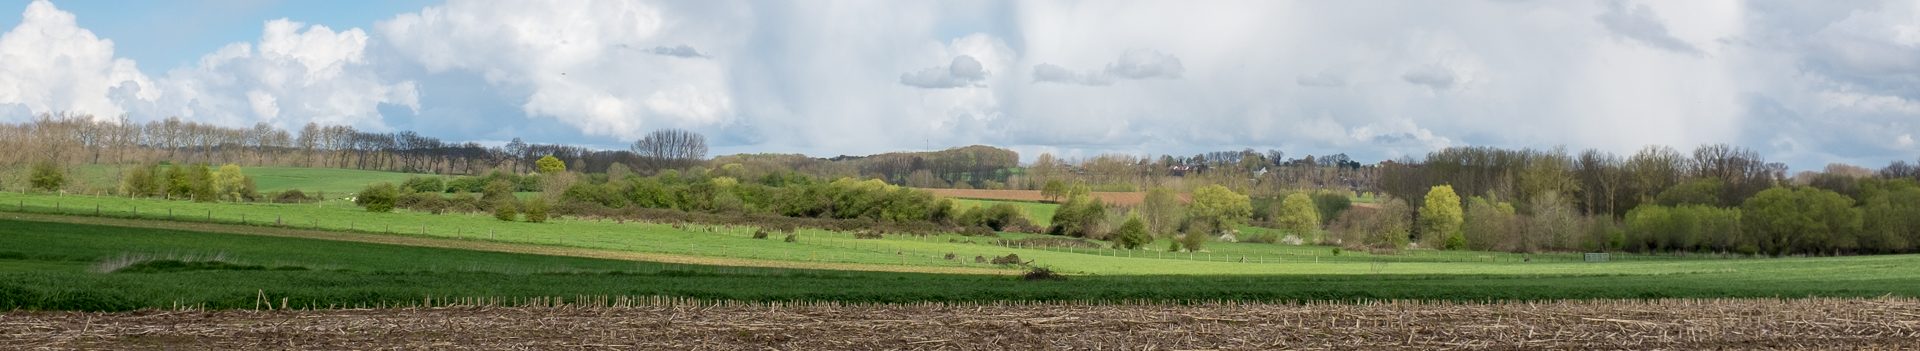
[{"x": 1805, "y": 83}]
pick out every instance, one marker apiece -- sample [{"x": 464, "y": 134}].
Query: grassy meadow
[{"x": 55, "y": 266}]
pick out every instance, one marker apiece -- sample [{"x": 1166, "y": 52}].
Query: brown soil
[{"x": 1886, "y": 323}]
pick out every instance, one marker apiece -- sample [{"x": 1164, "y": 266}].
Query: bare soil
[{"x": 1885, "y": 323}]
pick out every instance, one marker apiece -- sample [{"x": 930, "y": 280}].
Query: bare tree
[{"x": 671, "y": 147}]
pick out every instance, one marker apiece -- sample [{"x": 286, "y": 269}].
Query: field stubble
[{"x": 1882, "y": 323}]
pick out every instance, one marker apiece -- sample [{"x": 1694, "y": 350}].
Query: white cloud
[
  {"x": 1640, "y": 23},
  {"x": 49, "y": 64},
  {"x": 296, "y": 73},
  {"x": 963, "y": 72},
  {"x": 1134, "y": 64},
  {"x": 573, "y": 60}
]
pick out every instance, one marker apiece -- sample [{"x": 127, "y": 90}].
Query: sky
[{"x": 1802, "y": 82}]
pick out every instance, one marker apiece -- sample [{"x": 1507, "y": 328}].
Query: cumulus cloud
[
  {"x": 572, "y": 70},
  {"x": 296, "y": 73},
  {"x": 1135, "y": 64},
  {"x": 49, "y": 64},
  {"x": 964, "y": 71},
  {"x": 1640, "y": 24}
]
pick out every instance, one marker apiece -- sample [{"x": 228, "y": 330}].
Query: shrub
[
  {"x": 1132, "y": 234},
  {"x": 504, "y": 210},
  {"x": 47, "y": 176},
  {"x": 760, "y": 233},
  {"x": 1009, "y": 259},
  {"x": 379, "y": 197},
  {"x": 1193, "y": 241},
  {"x": 291, "y": 196},
  {"x": 537, "y": 210},
  {"x": 792, "y": 238},
  {"x": 1042, "y": 274},
  {"x": 423, "y": 202},
  {"x": 428, "y": 184}
]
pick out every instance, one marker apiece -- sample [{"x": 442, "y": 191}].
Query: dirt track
[{"x": 1722, "y": 324}]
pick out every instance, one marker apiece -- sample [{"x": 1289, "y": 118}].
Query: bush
[
  {"x": 1009, "y": 259},
  {"x": 379, "y": 197},
  {"x": 760, "y": 233},
  {"x": 537, "y": 211},
  {"x": 1042, "y": 274},
  {"x": 423, "y": 202},
  {"x": 504, "y": 210},
  {"x": 1132, "y": 234},
  {"x": 291, "y": 196},
  {"x": 792, "y": 238},
  {"x": 428, "y": 184},
  {"x": 47, "y": 176}
]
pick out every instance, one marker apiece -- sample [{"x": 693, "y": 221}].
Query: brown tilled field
[{"x": 1885, "y": 323}]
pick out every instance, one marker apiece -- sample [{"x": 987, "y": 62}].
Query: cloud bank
[{"x": 1807, "y": 82}]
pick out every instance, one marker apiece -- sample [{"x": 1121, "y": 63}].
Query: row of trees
[{"x": 67, "y": 140}]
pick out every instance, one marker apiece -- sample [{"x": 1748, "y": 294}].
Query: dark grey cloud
[
  {"x": 681, "y": 51},
  {"x": 963, "y": 72},
  {"x": 1640, "y": 24}
]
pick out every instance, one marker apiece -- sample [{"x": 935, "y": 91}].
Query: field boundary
[{"x": 489, "y": 246}]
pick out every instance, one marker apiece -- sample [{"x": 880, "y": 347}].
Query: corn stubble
[{"x": 681, "y": 324}]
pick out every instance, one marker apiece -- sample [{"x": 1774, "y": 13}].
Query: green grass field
[
  {"x": 1041, "y": 214},
  {"x": 828, "y": 246},
  {"x": 49, "y": 266},
  {"x": 329, "y": 180}
]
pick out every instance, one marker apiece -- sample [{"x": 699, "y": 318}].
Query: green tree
[
  {"x": 231, "y": 182},
  {"x": 1132, "y": 234},
  {"x": 1220, "y": 208},
  {"x": 1081, "y": 216},
  {"x": 1801, "y": 220},
  {"x": 1488, "y": 224},
  {"x": 1892, "y": 220},
  {"x": 201, "y": 184},
  {"x": 1331, "y": 204},
  {"x": 378, "y": 197},
  {"x": 1162, "y": 211},
  {"x": 1441, "y": 216},
  {"x": 1298, "y": 215},
  {"x": 550, "y": 165},
  {"x": 47, "y": 176},
  {"x": 1054, "y": 190}
]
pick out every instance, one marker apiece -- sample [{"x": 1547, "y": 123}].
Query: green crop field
[
  {"x": 53, "y": 266},
  {"x": 1041, "y": 214},
  {"x": 329, "y": 180},
  {"x": 836, "y": 247}
]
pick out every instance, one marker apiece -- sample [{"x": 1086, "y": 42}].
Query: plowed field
[{"x": 1886, "y": 323}]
